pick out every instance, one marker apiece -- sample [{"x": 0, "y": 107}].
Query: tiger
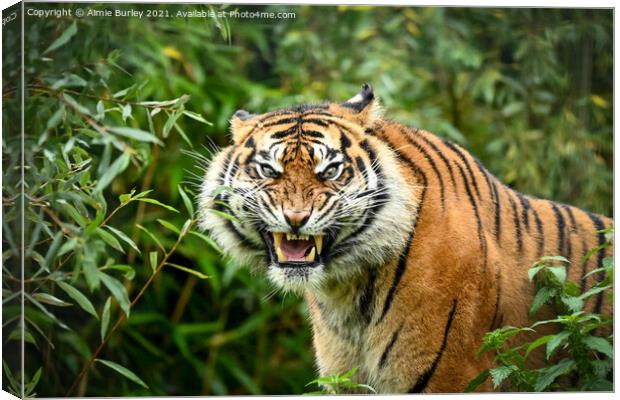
[{"x": 405, "y": 248}]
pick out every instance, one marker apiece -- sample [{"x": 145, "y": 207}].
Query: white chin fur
[{"x": 297, "y": 280}]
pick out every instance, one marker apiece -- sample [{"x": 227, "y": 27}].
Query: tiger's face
[{"x": 311, "y": 195}]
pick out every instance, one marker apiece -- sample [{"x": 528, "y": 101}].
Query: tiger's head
[{"x": 308, "y": 193}]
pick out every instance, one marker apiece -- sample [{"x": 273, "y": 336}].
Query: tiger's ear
[
  {"x": 240, "y": 125},
  {"x": 363, "y": 108}
]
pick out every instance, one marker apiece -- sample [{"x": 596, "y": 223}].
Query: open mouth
[{"x": 290, "y": 250}]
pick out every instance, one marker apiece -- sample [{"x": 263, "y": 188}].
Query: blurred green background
[{"x": 527, "y": 91}]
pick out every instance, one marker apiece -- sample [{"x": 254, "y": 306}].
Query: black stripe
[
  {"x": 422, "y": 382},
  {"x": 311, "y": 133},
  {"x": 598, "y": 224},
  {"x": 498, "y": 285},
  {"x": 541, "y": 233},
  {"x": 559, "y": 219},
  {"x": 283, "y": 121},
  {"x": 460, "y": 155},
  {"x": 569, "y": 244},
  {"x": 571, "y": 216},
  {"x": 517, "y": 223},
  {"x": 525, "y": 203},
  {"x": 317, "y": 121},
  {"x": 365, "y": 304},
  {"x": 472, "y": 201},
  {"x": 402, "y": 263},
  {"x": 584, "y": 264},
  {"x": 388, "y": 348},
  {"x": 442, "y": 156},
  {"x": 285, "y": 133},
  {"x": 498, "y": 214},
  {"x": 408, "y": 134}
]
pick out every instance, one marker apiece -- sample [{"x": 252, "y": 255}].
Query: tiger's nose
[{"x": 296, "y": 218}]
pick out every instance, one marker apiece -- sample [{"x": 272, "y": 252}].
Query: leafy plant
[
  {"x": 578, "y": 349},
  {"x": 339, "y": 384}
]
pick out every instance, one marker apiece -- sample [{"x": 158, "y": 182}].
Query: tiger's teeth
[
  {"x": 310, "y": 256},
  {"x": 289, "y": 236},
  {"x": 281, "y": 256},
  {"x": 318, "y": 243},
  {"x": 277, "y": 239}
]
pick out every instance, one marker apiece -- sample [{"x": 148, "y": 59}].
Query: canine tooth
[
  {"x": 281, "y": 257},
  {"x": 289, "y": 236},
  {"x": 311, "y": 255},
  {"x": 318, "y": 243},
  {"x": 277, "y": 239}
]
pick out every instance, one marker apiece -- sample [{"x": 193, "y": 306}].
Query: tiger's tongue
[{"x": 295, "y": 250}]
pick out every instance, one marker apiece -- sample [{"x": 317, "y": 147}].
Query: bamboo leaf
[
  {"x": 135, "y": 134},
  {"x": 105, "y": 318},
  {"x": 156, "y": 202},
  {"x": 124, "y": 238},
  {"x": 123, "y": 371},
  {"x": 49, "y": 299},
  {"x": 169, "y": 226},
  {"x": 78, "y": 297},
  {"x": 186, "y": 200},
  {"x": 110, "y": 239},
  {"x": 63, "y": 38},
  {"x": 189, "y": 271},
  {"x": 118, "y": 291},
  {"x": 153, "y": 237},
  {"x": 153, "y": 259}
]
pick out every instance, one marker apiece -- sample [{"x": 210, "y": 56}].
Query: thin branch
[{"x": 123, "y": 316}]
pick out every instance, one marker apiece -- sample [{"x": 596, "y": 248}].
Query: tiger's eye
[
  {"x": 266, "y": 171},
  {"x": 332, "y": 172}
]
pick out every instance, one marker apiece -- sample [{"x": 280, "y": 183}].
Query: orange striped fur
[{"x": 426, "y": 252}]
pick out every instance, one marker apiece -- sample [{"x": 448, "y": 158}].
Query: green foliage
[
  {"x": 339, "y": 384},
  {"x": 576, "y": 347},
  {"x": 122, "y": 115}
]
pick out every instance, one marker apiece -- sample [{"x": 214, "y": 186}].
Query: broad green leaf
[
  {"x": 156, "y": 202},
  {"x": 499, "y": 374},
  {"x": 49, "y": 299},
  {"x": 109, "y": 239},
  {"x": 555, "y": 341},
  {"x": 118, "y": 291},
  {"x": 63, "y": 38},
  {"x": 559, "y": 273},
  {"x": 118, "y": 166},
  {"x": 78, "y": 297},
  {"x": 555, "y": 258},
  {"x": 186, "y": 200},
  {"x": 169, "y": 226},
  {"x": 599, "y": 344},
  {"x": 105, "y": 318},
  {"x": 189, "y": 271},
  {"x": 573, "y": 303},
  {"x": 135, "y": 134},
  {"x": 153, "y": 237},
  {"x": 124, "y": 238},
  {"x": 549, "y": 375},
  {"x": 531, "y": 273},
  {"x": 153, "y": 259},
  {"x": 537, "y": 343},
  {"x": 123, "y": 371},
  {"x": 542, "y": 296}
]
